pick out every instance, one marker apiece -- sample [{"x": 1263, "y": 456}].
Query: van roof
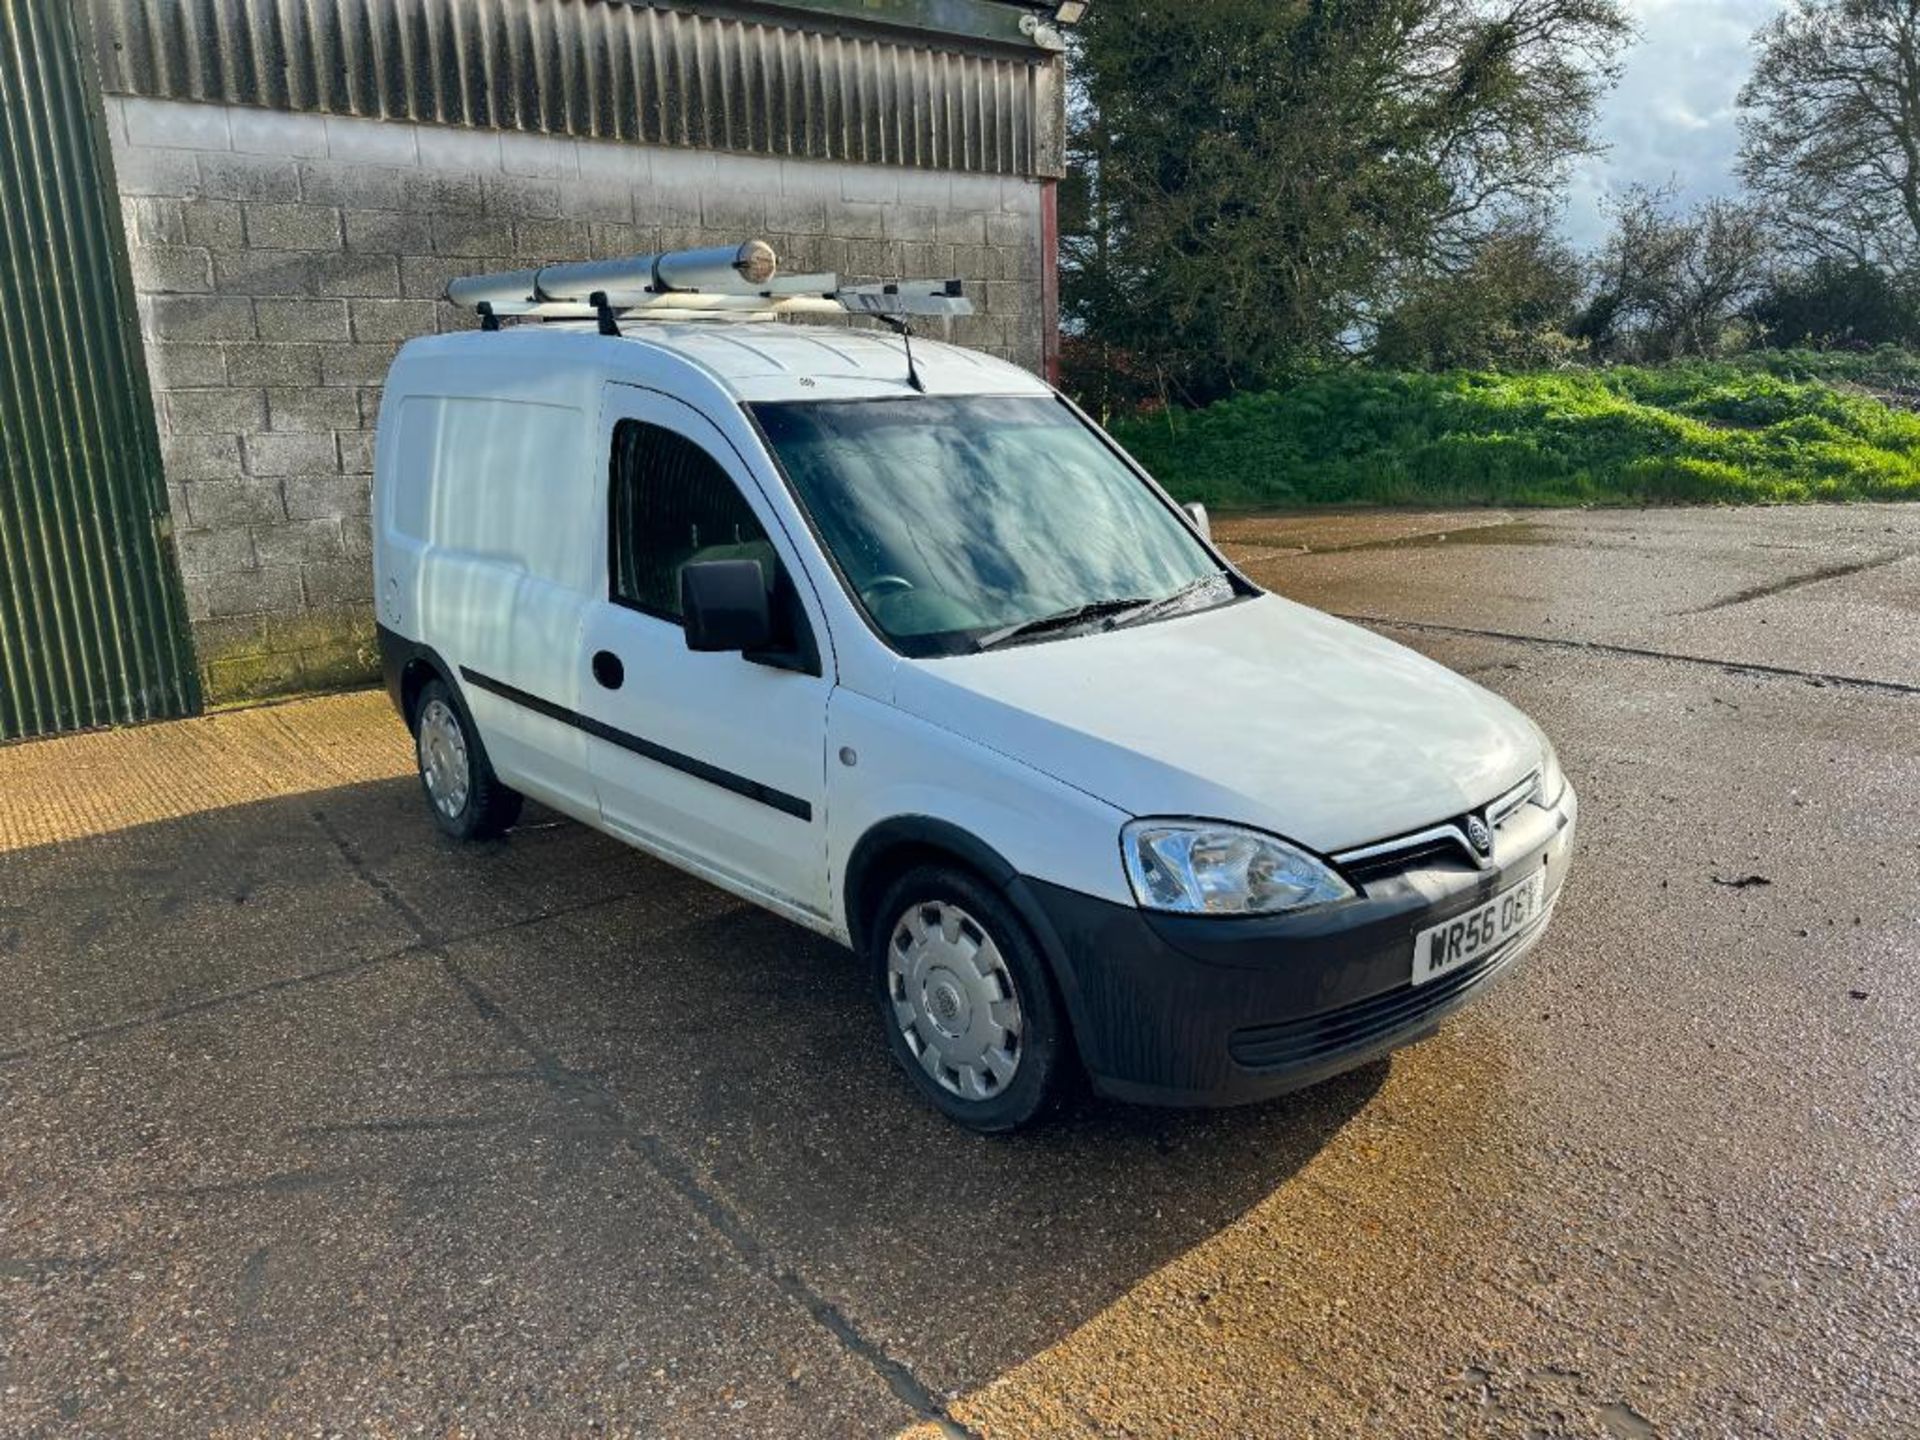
[{"x": 753, "y": 360}]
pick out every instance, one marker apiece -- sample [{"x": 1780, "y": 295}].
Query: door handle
[{"x": 608, "y": 670}]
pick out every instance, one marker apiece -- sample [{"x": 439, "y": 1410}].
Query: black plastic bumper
[{"x": 1188, "y": 1010}]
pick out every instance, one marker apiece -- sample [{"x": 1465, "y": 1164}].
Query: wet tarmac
[{"x": 313, "y": 1123}]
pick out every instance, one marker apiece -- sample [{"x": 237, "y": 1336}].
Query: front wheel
[
  {"x": 468, "y": 800},
  {"x": 965, "y": 998}
]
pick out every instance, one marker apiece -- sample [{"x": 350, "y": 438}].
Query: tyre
[
  {"x": 467, "y": 799},
  {"x": 965, "y": 998}
]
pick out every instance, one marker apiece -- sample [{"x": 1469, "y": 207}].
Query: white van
[{"x": 915, "y": 656}]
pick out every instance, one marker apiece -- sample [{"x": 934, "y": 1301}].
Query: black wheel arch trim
[
  {"x": 398, "y": 655},
  {"x": 928, "y": 832}
]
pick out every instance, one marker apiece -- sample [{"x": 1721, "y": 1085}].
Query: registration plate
[{"x": 1465, "y": 938}]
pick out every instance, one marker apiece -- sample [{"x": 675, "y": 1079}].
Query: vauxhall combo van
[{"x": 887, "y": 637}]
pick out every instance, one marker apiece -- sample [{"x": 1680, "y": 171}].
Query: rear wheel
[
  {"x": 468, "y": 800},
  {"x": 965, "y": 999}
]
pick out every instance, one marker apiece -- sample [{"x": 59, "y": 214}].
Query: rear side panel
[{"x": 485, "y": 501}]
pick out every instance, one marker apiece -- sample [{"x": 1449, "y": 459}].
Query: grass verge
[{"x": 1685, "y": 433}]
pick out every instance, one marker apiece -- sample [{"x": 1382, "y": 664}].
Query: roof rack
[{"x": 721, "y": 283}]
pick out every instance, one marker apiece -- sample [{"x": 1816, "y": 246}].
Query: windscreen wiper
[
  {"x": 1166, "y": 604},
  {"x": 1060, "y": 620}
]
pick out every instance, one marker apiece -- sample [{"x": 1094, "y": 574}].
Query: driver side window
[{"x": 673, "y": 505}]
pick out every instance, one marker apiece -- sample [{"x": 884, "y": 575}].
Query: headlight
[
  {"x": 1195, "y": 868},
  {"x": 1548, "y": 789}
]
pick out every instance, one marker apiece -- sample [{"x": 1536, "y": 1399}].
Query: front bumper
[{"x": 1197, "y": 1010}]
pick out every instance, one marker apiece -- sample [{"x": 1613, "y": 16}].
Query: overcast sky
[{"x": 1672, "y": 117}]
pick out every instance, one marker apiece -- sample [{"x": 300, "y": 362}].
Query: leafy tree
[
  {"x": 1252, "y": 174},
  {"x": 1836, "y": 303},
  {"x": 1507, "y": 307},
  {"x": 1671, "y": 285},
  {"x": 1831, "y": 129}
]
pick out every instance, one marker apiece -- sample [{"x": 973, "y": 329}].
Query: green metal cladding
[
  {"x": 937, "y": 84},
  {"x": 92, "y": 621}
]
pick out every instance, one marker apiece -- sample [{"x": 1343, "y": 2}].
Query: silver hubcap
[
  {"x": 443, "y": 758},
  {"x": 954, "y": 1000}
]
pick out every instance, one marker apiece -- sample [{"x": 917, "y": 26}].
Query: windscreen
[{"x": 956, "y": 518}]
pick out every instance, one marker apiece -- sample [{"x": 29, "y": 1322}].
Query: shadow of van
[
  {"x": 339, "y": 1038},
  {"x": 751, "y": 1047}
]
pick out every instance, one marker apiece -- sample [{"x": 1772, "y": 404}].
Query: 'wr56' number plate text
[{"x": 1465, "y": 938}]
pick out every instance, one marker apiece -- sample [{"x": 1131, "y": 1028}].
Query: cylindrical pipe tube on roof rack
[
  {"x": 505, "y": 291},
  {"x": 627, "y": 281},
  {"x": 722, "y": 270},
  {"x": 718, "y": 270},
  {"x": 725, "y": 281}
]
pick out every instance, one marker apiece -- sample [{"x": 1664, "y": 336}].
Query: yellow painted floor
[{"x": 74, "y": 786}]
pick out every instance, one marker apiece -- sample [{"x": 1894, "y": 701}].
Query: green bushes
[{"x": 1686, "y": 433}]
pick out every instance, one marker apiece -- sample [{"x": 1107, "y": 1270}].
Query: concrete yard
[{"x": 313, "y": 1123}]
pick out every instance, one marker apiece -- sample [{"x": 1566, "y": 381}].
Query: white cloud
[{"x": 1672, "y": 118}]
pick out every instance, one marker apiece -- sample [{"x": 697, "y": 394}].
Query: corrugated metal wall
[
  {"x": 92, "y": 626},
  {"x": 597, "y": 69}
]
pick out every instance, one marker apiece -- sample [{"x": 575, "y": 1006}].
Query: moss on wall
[{"x": 319, "y": 650}]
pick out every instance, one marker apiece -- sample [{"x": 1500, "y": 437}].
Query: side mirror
[
  {"x": 1197, "y": 513},
  {"x": 724, "y": 606}
]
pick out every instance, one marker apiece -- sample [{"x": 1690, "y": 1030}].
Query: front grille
[
  {"x": 1413, "y": 857},
  {"x": 1353, "y": 1027},
  {"x": 1439, "y": 843}
]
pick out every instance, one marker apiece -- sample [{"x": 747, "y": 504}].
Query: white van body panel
[
  {"x": 756, "y": 722},
  {"x": 1231, "y": 713},
  {"x": 788, "y": 362},
  {"x": 908, "y": 767},
  {"x": 475, "y": 459}
]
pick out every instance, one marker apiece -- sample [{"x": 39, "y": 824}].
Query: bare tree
[
  {"x": 1830, "y": 129},
  {"x": 1671, "y": 285},
  {"x": 1722, "y": 271}
]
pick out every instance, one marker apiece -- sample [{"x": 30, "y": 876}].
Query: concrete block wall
[{"x": 281, "y": 259}]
